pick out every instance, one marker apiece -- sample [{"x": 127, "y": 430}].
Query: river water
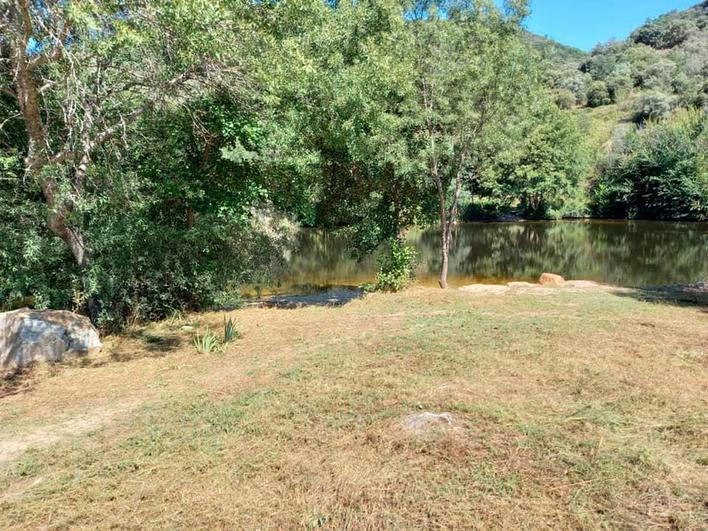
[{"x": 625, "y": 253}]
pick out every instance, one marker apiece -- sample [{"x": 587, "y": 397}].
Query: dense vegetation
[
  {"x": 156, "y": 155},
  {"x": 650, "y": 165}
]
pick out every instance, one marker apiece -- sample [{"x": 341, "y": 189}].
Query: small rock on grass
[{"x": 422, "y": 422}]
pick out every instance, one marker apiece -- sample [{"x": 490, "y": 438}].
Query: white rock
[
  {"x": 426, "y": 421},
  {"x": 28, "y": 335}
]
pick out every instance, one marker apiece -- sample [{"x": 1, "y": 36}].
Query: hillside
[
  {"x": 661, "y": 66},
  {"x": 631, "y": 97},
  {"x": 554, "y": 53}
]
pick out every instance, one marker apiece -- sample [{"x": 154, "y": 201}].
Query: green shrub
[
  {"x": 661, "y": 172},
  {"x": 565, "y": 99},
  {"x": 598, "y": 94},
  {"x": 652, "y": 105},
  {"x": 397, "y": 267}
]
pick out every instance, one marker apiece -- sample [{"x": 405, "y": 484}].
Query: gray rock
[
  {"x": 28, "y": 335},
  {"x": 426, "y": 421}
]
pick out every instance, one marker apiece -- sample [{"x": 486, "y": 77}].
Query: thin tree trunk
[
  {"x": 445, "y": 261},
  {"x": 444, "y": 233}
]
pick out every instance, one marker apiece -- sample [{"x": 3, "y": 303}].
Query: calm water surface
[{"x": 616, "y": 252}]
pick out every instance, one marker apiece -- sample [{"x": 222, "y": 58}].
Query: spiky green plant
[
  {"x": 207, "y": 342},
  {"x": 230, "y": 332}
]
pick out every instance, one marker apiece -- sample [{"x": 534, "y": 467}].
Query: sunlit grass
[{"x": 572, "y": 410}]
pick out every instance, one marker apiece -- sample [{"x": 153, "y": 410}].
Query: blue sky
[{"x": 584, "y": 23}]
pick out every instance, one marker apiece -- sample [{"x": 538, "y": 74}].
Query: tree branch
[{"x": 114, "y": 129}]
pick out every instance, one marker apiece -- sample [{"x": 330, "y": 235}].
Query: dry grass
[{"x": 574, "y": 410}]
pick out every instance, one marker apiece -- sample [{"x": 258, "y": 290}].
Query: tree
[
  {"x": 340, "y": 80},
  {"x": 81, "y": 73},
  {"x": 470, "y": 74},
  {"x": 542, "y": 167},
  {"x": 661, "y": 35}
]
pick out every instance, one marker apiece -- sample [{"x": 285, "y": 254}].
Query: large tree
[{"x": 82, "y": 71}]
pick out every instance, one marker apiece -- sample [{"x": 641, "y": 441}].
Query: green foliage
[
  {"x": 661, "y": 172},
  {"x": 396, "y": 267},
  {"x": 598, "y": 94},
  {"x": 231, "y": 333},
  {"x": 206, "y": 343},
  {"x": 652, "y": 105},
  {"x": 177, "y": 227},
  {"x": 574, "y": 81},
  {"x": 542, "y": 169},
  {"x": 35, "y": 268},
  {"x": 660, "y": 35},
  {"x": 565, "y": 99}
]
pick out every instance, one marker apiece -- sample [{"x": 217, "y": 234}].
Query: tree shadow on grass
[
  {"x": 687, "y": 295},
  {"x": 330, "y": 297},
  {"x": 16, "y": 381},
  {"x": 135, "y": 345}
]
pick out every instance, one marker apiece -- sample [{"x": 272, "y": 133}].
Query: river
[{"x": 625, "y": 253}]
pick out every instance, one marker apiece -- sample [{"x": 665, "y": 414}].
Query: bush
[
  {"x": 565, "y": 99},
  {"x": 598, "y": 94},
  {"x": 574, "y": 81},
  {"x": 659, "y": 75},
  {"x": 144, "y": 264},
  {"x": 397, "y": 267},
  {"x": 620, "y": 82},
  {"x": 485, "y": 208},
  {"x": 663, "y": 35},
  {"x": 652, "y": 105},
  {"x": 661, "y": 172}
]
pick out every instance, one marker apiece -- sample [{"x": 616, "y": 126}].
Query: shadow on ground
[
  {"x": 148, "y": 346},
  {"x": 16, "y": 381},
  {"x": 331, "y": 297},
  {"x": 692, "y": 295}
]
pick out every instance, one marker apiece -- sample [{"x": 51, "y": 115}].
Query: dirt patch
[
  {"x": 516, "y": 288},
  {"x": 11, "y": 447}
]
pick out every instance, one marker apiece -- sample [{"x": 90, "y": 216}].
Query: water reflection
[{"x": 616, "y": 252}]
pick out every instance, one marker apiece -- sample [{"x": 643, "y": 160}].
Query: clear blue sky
[{"x": 584, "y": 23}]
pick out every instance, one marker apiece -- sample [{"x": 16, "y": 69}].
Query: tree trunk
[
  {"x": 445, "y": 259},
  {"x": 447, "y": 221}
]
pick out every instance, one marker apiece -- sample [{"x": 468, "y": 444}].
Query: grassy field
[{"x": 572, "y": 410}]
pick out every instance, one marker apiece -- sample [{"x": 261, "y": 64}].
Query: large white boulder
[{"x": 28, "y": 335}]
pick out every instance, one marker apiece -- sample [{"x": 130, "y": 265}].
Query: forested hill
[
  {"x": 665, "y": 61},
  {"x": 555, "y": 53},
  {"x": 632, "y": 97}
]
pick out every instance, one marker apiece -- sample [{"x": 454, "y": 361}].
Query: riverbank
[{"x": 585, "y": 408}]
